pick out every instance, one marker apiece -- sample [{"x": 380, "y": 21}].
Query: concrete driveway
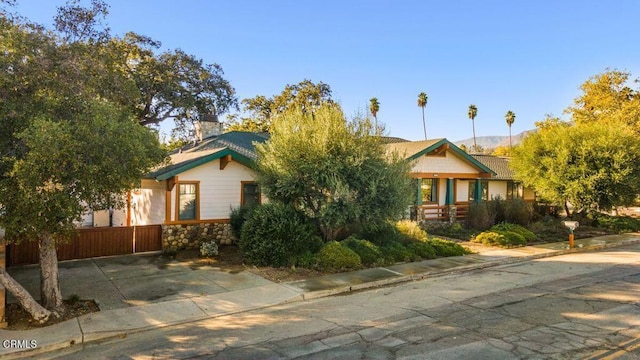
[{"x": 133, "y": 280}]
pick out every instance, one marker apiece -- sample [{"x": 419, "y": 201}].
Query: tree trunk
[
  {"x": 566, "y": 208},
  {"x": 424, "y": 125},
  {"x": 49, "y": 283},
  {"x": 25, "y": 299},
  {"x": 475, "y": 146}
]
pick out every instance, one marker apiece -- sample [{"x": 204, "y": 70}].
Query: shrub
[
  {"x": 422, "y": 249},
  {"x": 496, "y": 209},
  {"x": 275, "y": 235},
  {"x": 368, "y": 252},
  {"x": 517, "y": 211},
  {"x": 209, "y": 249},
  {"x": 396, "y": 252},
  {"x": 237, "y": 218},
  {"x": 500, "y": 238},
  {"x": 452, "y": 230},
  {"x": 410, "y": 231},
  {"x": 381, "y": 234},
  {"x": 479, "y": 217},
  {"x": 528, "y": 235},
  {"x": 619, "y": 224},
  {"x": 549, "y": 229},
  {"x": 335, "y": 257},
  {"x": 447, "y": 248}
]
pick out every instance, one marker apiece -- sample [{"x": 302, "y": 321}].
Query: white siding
[
  {"x": 148, "y": 204},
  {"x": 219, "y": 189},
  {"x": 497, "y": 188},
  {"x": 462, "y": 190},
  {"x": 443, "y": 164}
]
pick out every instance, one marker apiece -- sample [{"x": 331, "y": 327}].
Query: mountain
[{"x": 492, "y": 142}]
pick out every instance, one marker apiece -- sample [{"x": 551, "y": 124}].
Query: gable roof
[
  {"x": 414, "y": 149},
  {"x": 239, "y": 144},
  {"x": 499, "y": 165}
]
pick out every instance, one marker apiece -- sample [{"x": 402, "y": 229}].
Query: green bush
[
  {"x": 452, "y": 230},
  {"x": 397, "y": 252},
  {"x": 410, "y": 231},
  {"x": 479, "y": 217},
  {"x": 381, "y": 234},
  {"x": 500, "y": 238},
  {"x": 237, "y": 218},
  {"x": 496, "y": 208},
  {"x": 275, "y": 235},
  {"x": 549, "y": 229},
  {"x": 423, "y": 249},
  {"x": 620, "y": 224},
  {"x": 369, "y": 253},
  {"x": 447, "y": 248},
  {"x": 518, "y": 211},
  {"x": 335, "y": 257},
  {"x": 528, "y": 235}
]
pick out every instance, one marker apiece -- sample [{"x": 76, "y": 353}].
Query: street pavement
[
  {"x": 190, "y": 295},
  {"x": 574, "y": 306}
]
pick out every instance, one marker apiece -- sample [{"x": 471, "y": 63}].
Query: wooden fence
[{"x": 93, "y": 242}]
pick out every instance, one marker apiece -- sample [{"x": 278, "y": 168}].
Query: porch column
[
  {"x": 450, "y": 201},
  {"x": 477, "y": 196},
  {"x": 418, "y": 201}
]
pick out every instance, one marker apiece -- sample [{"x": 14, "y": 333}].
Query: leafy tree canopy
[
  {"x": 335, "y": 170},
  {"x": 590, "y": 162},
  {"x": 305, "y": 95}
]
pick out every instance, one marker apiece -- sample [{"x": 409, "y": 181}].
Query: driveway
[{"x": 132, "y": 280}]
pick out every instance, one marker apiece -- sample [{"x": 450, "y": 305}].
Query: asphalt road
[{"x": 584, "y": 305}]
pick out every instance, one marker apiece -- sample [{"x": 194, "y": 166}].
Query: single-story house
[
  {"x": 205, "y": 180},
  {"x": 448, "y": 179}
]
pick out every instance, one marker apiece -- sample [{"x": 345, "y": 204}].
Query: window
[
  {"x": 429, "y": 190},
  {"x": 187, "y": 201},
  {"x": 484, "y": 185},
  {"x": 515, "y": 190},
  {"x": 250, "y": 194}
]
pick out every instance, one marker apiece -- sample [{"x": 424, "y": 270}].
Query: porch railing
[{"x": 456, "y": 212}]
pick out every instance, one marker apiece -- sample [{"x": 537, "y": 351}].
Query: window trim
[
  {"x": 434, "y": 191},
  {"x": 242, "y": 185},
  {"x": 472, "y": 183},
  {"x": 514, "y": 186},
  {"x": 177, "y": 209}
]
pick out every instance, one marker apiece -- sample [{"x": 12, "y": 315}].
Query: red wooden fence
[{"x": 93, "y": 242}]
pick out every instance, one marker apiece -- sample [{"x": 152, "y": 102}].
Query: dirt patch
[
  {"x": 230, "y": 259},
  {"x": 18, "y": 319}
]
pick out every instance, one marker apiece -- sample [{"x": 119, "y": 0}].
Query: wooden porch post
[
  {"x": 477, "y": 196},
  {"x": 419, "y": 212},
  {"x": 450, "y": 192},
  {"x": 450, "y": 202}
]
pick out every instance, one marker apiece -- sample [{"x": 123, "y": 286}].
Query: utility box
[{"x": 101, "y": 218}]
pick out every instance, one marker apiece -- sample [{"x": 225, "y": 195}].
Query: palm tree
[
  {"x": 374, "y": 107},
  {"x": 511, "y": 118},
  {"x": 473, "y": 111},
  {"x": 422, "y": 102}
]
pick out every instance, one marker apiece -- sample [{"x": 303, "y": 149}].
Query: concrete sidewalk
[{"x": 174, "y": 297}]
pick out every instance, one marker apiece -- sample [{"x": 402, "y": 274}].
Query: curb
[{"x": 97, "y": 337}]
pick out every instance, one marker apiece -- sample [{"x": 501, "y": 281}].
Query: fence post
[{"x": 3, "y": 292}]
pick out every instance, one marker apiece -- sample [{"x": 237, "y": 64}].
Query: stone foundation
[{"x": 183, "y": 237}]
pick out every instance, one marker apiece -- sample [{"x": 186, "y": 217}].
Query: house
[
  {"x": 448, "y": 179},
  {"x": 192, "y": 195}
]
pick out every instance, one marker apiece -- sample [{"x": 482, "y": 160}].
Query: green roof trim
[
  {"x": 457, "y": 151},
  {"x": 236, "y": 156}
]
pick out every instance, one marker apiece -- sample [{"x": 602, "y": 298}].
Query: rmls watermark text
[{"x": 19, "y": 344}]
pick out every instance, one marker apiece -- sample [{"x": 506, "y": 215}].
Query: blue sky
[{"x": 526, "y": 56}]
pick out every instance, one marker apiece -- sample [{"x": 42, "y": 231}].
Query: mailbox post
[{"x": 572, "y": 225}]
